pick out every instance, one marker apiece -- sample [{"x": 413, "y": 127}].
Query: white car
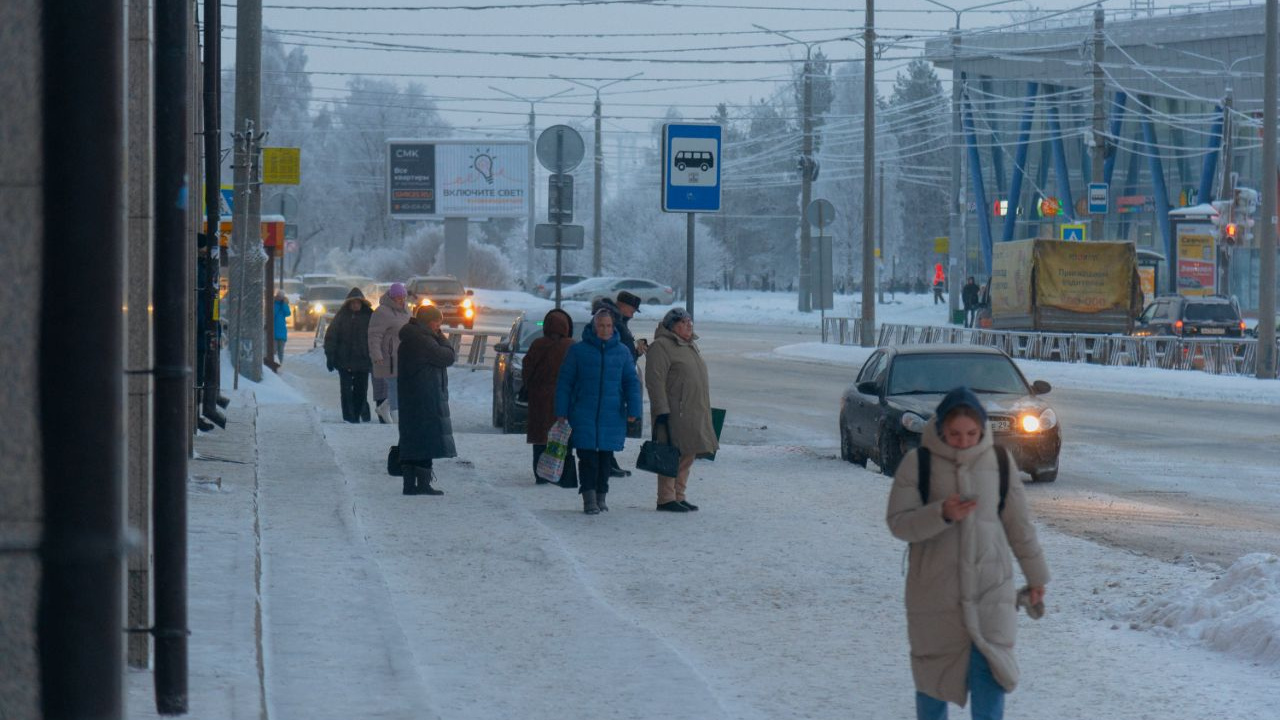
[{"x": 649, "y": 292}]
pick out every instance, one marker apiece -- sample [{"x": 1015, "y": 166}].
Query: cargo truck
[{"x": 1065, "y": 286}]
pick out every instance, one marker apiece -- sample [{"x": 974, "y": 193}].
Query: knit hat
[
  {"x": 958, "y": 397},
  {"x": 626, "y": 298},
  {"x": 429, "y": 313},
  {"x": 397, "y": 291},
  {"x": 355, "y": 293},
  {"x": 675, "y": 315}
]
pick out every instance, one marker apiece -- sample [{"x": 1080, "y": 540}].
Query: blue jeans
[{"x": 986, "y": 696}]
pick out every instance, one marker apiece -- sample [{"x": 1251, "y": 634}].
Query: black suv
[{"x": 1209, "y": 316}]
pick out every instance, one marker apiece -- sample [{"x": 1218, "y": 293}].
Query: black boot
[
  {"x": 425, "y": 476},
  {"x": 410, "y": 481},
  {"x": 615, "y": 470},
  {"x": 672, "y": 506},
  {"x": 589, "y": 505}
]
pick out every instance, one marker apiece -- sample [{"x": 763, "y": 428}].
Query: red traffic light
[{"x": 1230, "y": 233}]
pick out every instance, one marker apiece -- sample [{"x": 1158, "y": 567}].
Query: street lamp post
[
  {"x": 598, "y": 216},
  {"x": 533, "y": 177}
]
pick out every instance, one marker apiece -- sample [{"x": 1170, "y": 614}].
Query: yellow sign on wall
[
  {"x": 942, "y": 245},
  {"x": 281, "y": 166}
]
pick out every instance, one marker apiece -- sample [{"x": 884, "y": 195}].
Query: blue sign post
[
  {"x": 691, "y": 164},
  {"x": 690, "y": 168}
]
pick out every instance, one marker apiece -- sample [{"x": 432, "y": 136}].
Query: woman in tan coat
[
  {"x": 680, "y": 400},
  {"x": 961, "y": 612}
]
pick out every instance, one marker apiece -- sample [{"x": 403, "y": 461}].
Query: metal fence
[
  {"x": 477, "y": 348},
  {"x": 1219, "y": 356}
]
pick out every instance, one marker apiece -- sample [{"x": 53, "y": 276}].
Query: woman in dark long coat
[
  {"x": 540, "y": 370},
  {"x": 426, "y": 432},
  {"x": 346, "y": 349}
]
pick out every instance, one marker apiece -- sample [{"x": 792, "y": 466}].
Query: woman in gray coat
[
  {"x": 680, "y": 400},
  {"x": 961, "y": 613}
]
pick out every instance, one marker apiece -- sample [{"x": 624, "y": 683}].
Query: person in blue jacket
[
  {"x": 282, "y": 313},
  {"x": 598, "y": 391}
]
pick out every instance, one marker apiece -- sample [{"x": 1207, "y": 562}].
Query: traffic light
[
  {"x": 1246, "y": 204},
  {"x": 1224, "y": 225}
]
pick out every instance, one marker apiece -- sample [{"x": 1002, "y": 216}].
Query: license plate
[
  {"x": 1000, "y": 425},
  {"x": 1213, "y": 331}
]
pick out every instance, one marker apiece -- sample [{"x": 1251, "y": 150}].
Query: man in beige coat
[
  {"x": 680, "y": 400},
  {"x": 960, "y": 597}
]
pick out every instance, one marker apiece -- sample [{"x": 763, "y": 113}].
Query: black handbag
[
  {"x": 660, "y": 458},
  {"x": 393, "y": 461}
]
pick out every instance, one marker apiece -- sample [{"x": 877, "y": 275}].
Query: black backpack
[{"x": 925, "y": 459}]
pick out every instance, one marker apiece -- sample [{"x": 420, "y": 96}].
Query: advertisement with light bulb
[{"x": 470, "y": 178}]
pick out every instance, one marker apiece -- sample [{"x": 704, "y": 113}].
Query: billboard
[
  {"x": 1197, "y": 259},
  {"x": 458, "y": 178}
]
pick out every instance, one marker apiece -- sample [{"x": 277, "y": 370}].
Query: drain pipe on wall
[{"x": 81, "y": 618}]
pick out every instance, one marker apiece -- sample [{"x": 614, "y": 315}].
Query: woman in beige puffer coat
[
  {"x": 960, "y": 594},
  {"x": 680, "y": 401}
]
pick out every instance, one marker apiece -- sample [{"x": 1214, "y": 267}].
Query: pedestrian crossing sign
[{"x": 1072, "y": 231}]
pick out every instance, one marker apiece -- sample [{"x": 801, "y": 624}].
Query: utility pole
[
  {"x": 954, "y": 221},
  {"x": 246, "y": 352},
  {"x": 868, "y": 170},
  {"x": 597, "y": 222},
  {"x": 1227, "y": 191},
  {"x": 1267, "y": 244},
  {"x": 805, "y": 299},
  {"x": 1099, "y": 119},
  {"x": 880, "y": 216}
]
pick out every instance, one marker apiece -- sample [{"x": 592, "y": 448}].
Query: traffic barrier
[{"x": 1218, "y": 356}]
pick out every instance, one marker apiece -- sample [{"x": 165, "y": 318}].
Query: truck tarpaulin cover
[
  {"x": 1083, "y": 277},
  {"x": 1011, "y": 278}
]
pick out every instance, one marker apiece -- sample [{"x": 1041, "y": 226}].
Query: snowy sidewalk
[{"x": 781, "y": 599}]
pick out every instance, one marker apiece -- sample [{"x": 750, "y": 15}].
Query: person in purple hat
[{"x": 384, "y": 341}]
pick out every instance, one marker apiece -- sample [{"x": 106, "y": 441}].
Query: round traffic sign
[
  {"x": 820, "y": 213},
  {"x": 559, "y": 148}
]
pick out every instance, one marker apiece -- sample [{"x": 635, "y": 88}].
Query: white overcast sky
[{"x": 485, "y": 39}]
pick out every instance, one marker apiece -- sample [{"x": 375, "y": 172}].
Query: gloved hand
[
  {"x": 662, "y": 419},
  {"x": 329, "y": 364}
]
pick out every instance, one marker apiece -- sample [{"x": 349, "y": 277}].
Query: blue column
[
  {"x": 1060, "y": 163},
  {"x": 1020, "y": 161},
  {"x": 1211, "y": 159},
  {"x": 1158, "y": 188},
  {"x": 1130, "y": 188},
  {"x": 997, "y": 151},
  {"x": 1117, "y": 124},
  {"x": 1042, "y": 182},
  {"x": 979, "y": 191}
]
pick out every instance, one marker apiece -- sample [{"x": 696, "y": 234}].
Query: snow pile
[
  {"x": 1239, "y": 613},
  {"x": 271, "y": 391}
]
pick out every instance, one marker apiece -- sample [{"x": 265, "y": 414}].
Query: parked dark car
[
  {"x": 883, "y": 414},
  {"x": 508, "y": 360},
  {"x": 1208, "y": 316}
]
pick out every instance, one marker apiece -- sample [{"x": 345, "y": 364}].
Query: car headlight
[
  {"x": 1046, "y": 420},
  {"x": 913, "y": 422},
  {"x": 317, "y": 308},
  {"x": 466, "y": 303}
]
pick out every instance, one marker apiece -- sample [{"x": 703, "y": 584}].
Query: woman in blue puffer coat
[{"x": 598, "y": 391}]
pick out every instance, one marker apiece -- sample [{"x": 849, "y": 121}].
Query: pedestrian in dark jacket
[
  {"x": 969, "y": 296},
  {"x": 598, "y": 391},
  {"x": 346, "y": 349},
  {"x": 280, "y": 324},
  {"x": 426, "y": 431},
  {"x": 539, "y": 374}
]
